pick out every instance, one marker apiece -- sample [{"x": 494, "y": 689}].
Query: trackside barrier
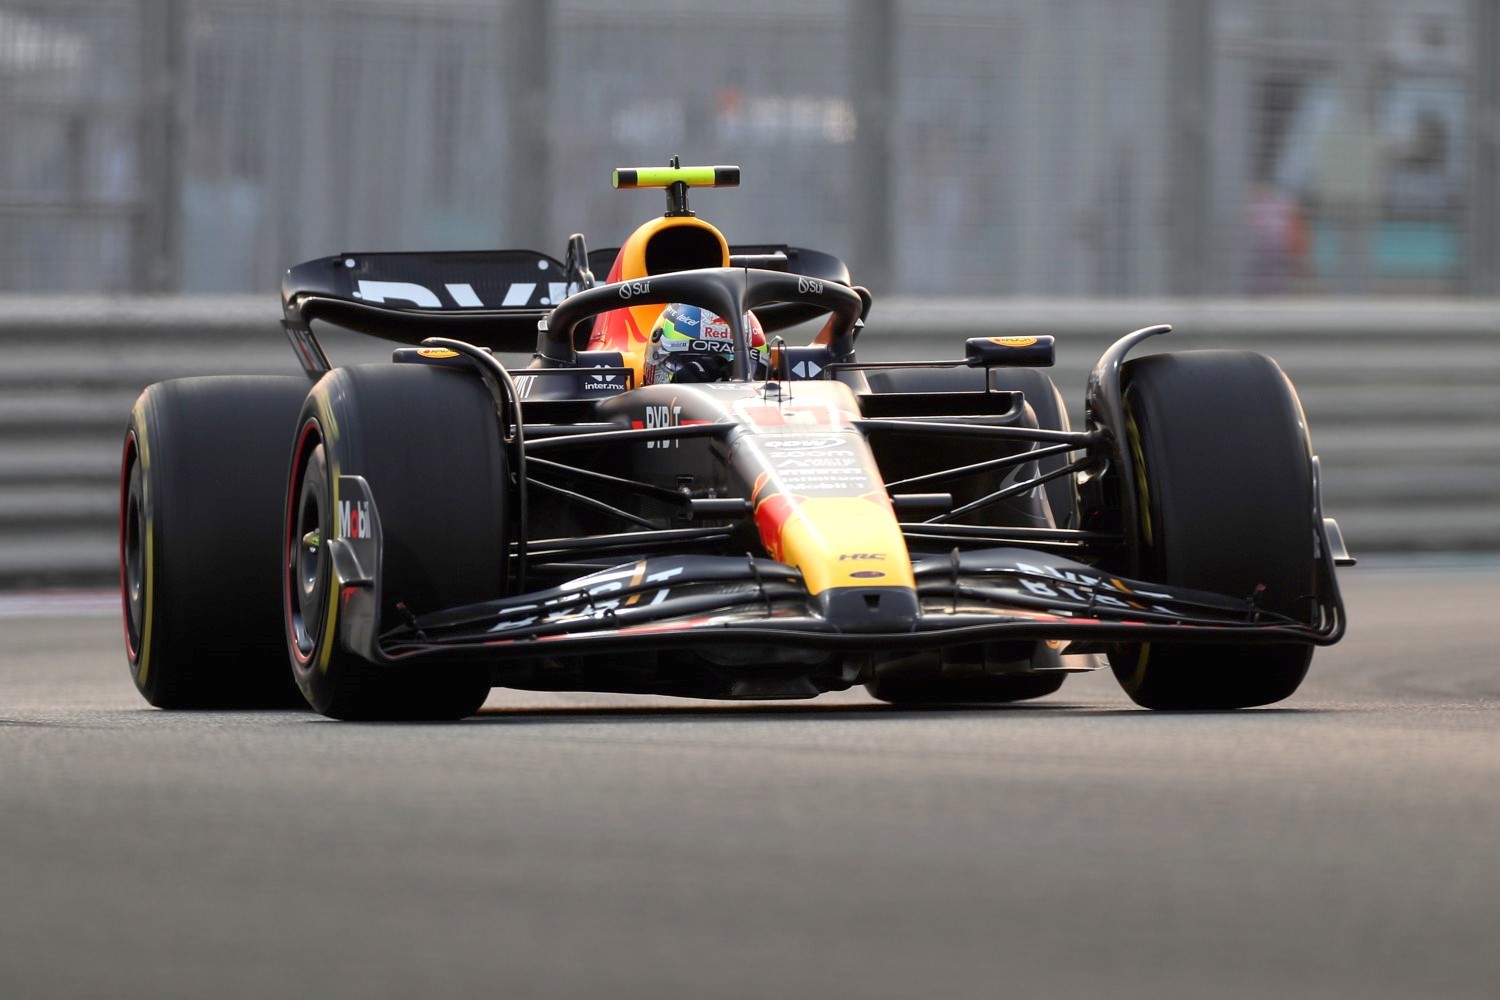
[{"x": 1403, "y": 398}]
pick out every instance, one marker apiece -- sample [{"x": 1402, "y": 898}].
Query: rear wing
[{"x": 490, "y": 298}]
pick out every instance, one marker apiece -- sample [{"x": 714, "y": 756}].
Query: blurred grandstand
[{"x": 1089, "y": 148}]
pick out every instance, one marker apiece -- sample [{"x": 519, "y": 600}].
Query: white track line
[{"x": 59, "y": 603}]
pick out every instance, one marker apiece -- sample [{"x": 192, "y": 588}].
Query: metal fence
[{"x": 1082, "y": 148}]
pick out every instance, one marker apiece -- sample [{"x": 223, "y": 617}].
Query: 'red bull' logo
[
  {"x": 716, "y": 329},
  {"x": 771, "y": 516}
]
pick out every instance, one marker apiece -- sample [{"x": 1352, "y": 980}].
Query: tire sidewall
[
  {"x": 202, "y": 469},
  {"x": 1226, "y": 529},
  {"x": 137, "y": 518},
  {"x": 309, "y": 667},
  {"x": 348, "y": 416}
]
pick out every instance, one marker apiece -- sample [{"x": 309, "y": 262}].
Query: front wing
[{"x": 714, "y": 601}]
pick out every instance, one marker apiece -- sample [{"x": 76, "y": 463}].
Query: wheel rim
[
  {"x": 133, "y": 561},
  {"x": 306, "y": 562}
]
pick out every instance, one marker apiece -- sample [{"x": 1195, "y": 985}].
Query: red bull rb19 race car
[{"x": 674, "y": 497}]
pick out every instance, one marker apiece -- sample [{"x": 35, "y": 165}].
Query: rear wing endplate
[{"x": 492, "y": 298}]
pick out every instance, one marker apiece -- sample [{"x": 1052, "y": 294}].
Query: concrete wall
[{"x": 1403, "y": 399}]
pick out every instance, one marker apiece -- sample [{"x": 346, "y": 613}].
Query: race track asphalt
[{"x": 1344, "y": 844}]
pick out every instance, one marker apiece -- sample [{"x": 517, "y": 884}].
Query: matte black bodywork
[{"x": 637, "y": 528}]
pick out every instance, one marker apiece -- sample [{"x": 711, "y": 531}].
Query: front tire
[
  {"x": 1224, "y": 488},
  {"x": 994, "y": 689},
  {"x": 427, "y": 443}
]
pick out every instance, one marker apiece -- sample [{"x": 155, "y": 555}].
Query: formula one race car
[{"x": 673, "y": 498}]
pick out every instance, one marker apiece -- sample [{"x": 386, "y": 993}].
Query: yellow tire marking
[
  {"x": 1139, "y": 676},
  {"x": 138, "y": 417},
  {"x": 1143, "y": 493},
  {"x": 1143, "y": 490},
  {"x": 330, "y": 622},
  {"x": 143, "y": 659},
  {"x": 148, "y": 582}
]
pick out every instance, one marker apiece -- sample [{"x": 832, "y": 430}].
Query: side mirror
[{"x": 1010, "y": 352}]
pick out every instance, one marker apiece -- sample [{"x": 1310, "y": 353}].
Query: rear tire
[
  {"x": 992, "y": 673},
  {"x": 201, "y": 486},
  {"x": 924, "y": 681},
  {"x": 1224, "y": 485},
  {"x": 427, "y": 442},
  {"x": 1051, "y": 415},
  {"x": 1041, "y": 395}
]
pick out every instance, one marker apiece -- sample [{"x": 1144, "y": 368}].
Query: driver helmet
[{"x": 691, "y": 344}]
